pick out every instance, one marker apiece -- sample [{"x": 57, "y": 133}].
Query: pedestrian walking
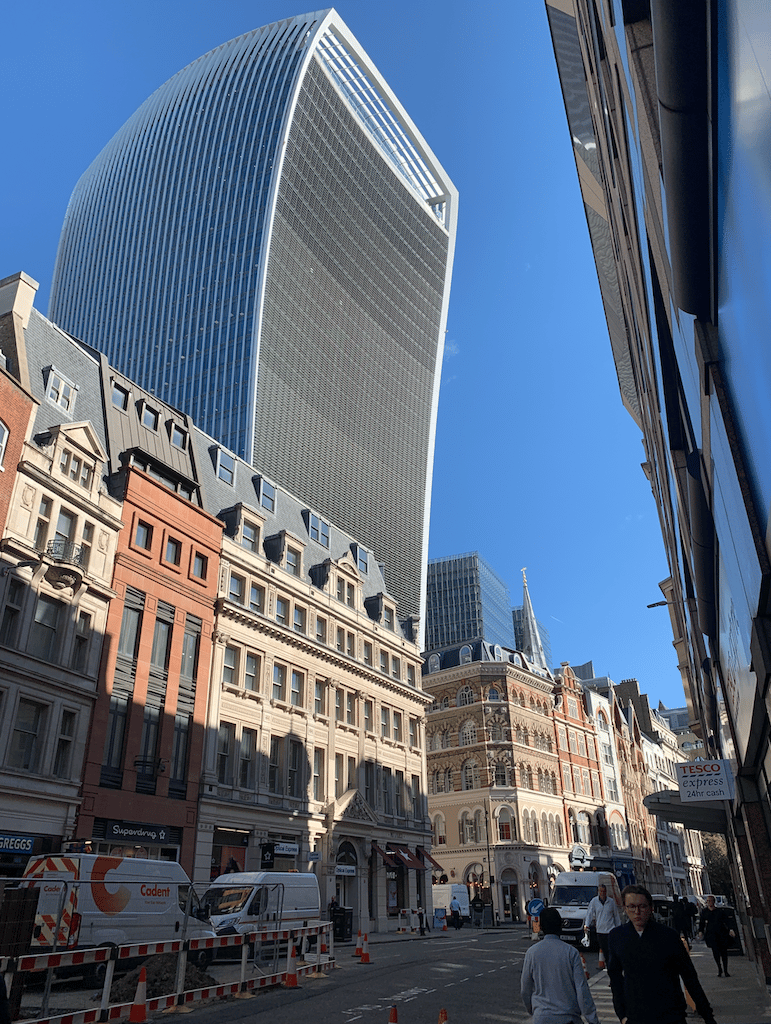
[
  {"x": 604, "y": 915},
  {"x": 717, "y": 933},
  {"x": 646, "y": 963},
  {"x": 455, "y": 912},
  {"x": 681, "y": 920},
  {"x": 553, "y": 984}
]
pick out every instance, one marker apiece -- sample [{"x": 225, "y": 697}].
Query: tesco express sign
[{"x": 705, "y": 780}]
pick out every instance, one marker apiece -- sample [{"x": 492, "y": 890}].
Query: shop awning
[
  {"x": 701, "y": 816},
  {"x": 408, "y": 858},
  {"x": 387, "y": 858},
  {"x": 427, "y": 857}
]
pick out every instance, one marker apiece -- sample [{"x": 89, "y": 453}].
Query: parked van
[
  {"x": 246, "y": 901},
  {"x": 111, "y": 901},
  {"x": 573, "y": 891},
  {"x": 442, "y": 894}
]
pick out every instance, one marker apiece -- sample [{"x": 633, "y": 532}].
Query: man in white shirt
[
  {"x": 604, "y": 914},
  {"x": 553, "y": 984}
]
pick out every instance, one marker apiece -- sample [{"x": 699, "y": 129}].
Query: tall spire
[{"x": 532, "y": 647}]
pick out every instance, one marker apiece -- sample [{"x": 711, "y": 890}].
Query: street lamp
[{"x": 490, "y": 873}]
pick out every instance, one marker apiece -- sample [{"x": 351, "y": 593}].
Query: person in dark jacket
[
  {"x": 646, "y": 961},
  {"x": 681, "y": 920},
  {"x": 713, "y": 926}
]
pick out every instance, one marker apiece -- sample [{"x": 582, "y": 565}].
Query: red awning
[
  {"x": 387, "y": 859},
  {"x": 408, "y": 858},
  {"x": 427, "y": 857}
]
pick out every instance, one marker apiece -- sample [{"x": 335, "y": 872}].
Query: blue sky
[{"x": 537, "y": 463}]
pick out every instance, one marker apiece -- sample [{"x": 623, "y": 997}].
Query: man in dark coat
[{"x": 646, "y": 961}]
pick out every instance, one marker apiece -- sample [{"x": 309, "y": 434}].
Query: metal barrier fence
[{"x": 112, "y": 956}]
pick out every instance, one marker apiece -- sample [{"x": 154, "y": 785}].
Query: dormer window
[
  {"x": 76, "y": 468},
  {"x": 293, "y": 561},
  {"x": 150, "y": 417},
  {"x": 318, "y": 530},
  {"x": 226, "y": 466},
  {"x": 388, "y": 617},
  {"x": 60, "y": 391},
  {"x": 250, "y": 536},
  {"x": 362, "y": 560},
  {"x": 120, "y": 396},
  {"x": 267, "y": 495},
  {"x": 178, "y": 435}
]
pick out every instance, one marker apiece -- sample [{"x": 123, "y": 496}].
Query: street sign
[
  {"x": 705, "y": 780},
  {"x": 535, "y": 908}
]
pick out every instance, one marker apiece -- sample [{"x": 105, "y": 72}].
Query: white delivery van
[
  {"x": 112, "y": 901},
  {"x": 442, "y": 894},
  {"x": 573, "y": 891},
  {"x": 247, "y": 901}
]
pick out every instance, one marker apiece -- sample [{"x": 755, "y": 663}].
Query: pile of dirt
[{"x": 161, "y": 979}]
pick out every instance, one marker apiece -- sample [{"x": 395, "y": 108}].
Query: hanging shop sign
[{"x": 705, "y": 780}]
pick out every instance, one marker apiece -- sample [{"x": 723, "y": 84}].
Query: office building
[
  {"x": 267, "y": 244},
  {"x": 466, "y": 601},
  {"x": 669, "y": 119}
]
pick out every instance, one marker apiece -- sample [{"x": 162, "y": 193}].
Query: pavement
[{"x": 741, "y": 998}]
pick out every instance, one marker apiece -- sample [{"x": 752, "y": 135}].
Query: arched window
[
  {"x": 465, "y": 696},
  {"x": 526, "y": 835},
  {"x": 545, "y": 833},
  {"x": 467, "y": 734},
  {"x": 583, "y": 828},
  {"x": 479, "y": 827},
  {"x": 434, "y": 663},
  {"x": 534, "y": 826},
  {"x": 573, "y": 824},
  {"x": 492, "y": 694},
  {"x": 449, "y": 781},
  {"x": 445, "y": 703},
  {"x": 496, "y": 732},
  {"x": 440, "y": 831},
  {"x": 465, "y": 655},
  {"x": 541, "y": 787},
  {"x": 467, "y": 828},
  {"x": 437, "y": 782},
  {"x": 500, "y": 774},
  {"x": 3, "y": 440},
  {"x": 470, "y": 775},
  {"x": 433, "y": 741},
  {"x": 558, "y": 826},
  {"x": 527, "y": 776},
  {"x": 445, "y": 739}
]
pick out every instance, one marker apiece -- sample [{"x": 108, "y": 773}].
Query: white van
[
  {"x": 573, "y": 891},
  {"x": 246, "y": 901},
  {"x": 112, "y": 901},
  {"x": 442, "y": 894}
]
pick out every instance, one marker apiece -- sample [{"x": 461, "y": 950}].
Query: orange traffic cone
[
  {"x": 601, "y": 961},
  {"x": 442, "y": 1017},
  {"x": 365, "y": 954},
  {"x": 139, "y": 1006},
  {"x": 444, "y": 923},
  {"x": 583, "y": 964},
  {"x": 393, "y": 1017},
  {"x": 323, "y": 941},
  {"x": 291, "y": 971},
  {"x": 357, "y": 951}
]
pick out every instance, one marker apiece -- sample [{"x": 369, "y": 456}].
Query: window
[
  {"x": 267, "y": 496},
  {"x": 43, "y": 634},
  {"x": 43, "y": 523},
  {"x": 318, "y": 774},
  {"x": 338, "y": 775},
  {"x": 385, "y": 723},
  {"x": 86, "y": 545},
  {"x": 362, "y": 560},
  {"x": 567, "y": 779},
  {"x": 397, "y": 719},
  {"x": 9, "y": 627},
  {"x": 573, "y": 741},
  {"x": 368, "y": 715},
  {"x": 226, "y": 466},
  {"x": 119, "y": 396},
  {"x": 467, "y": 734},
  {"x": 252, "y": 672},
  {"x": 319, "y": 697},
  {"x": 572, "y": 707},
  {"x": 230, "y": 666},
  {"x": 250, "y": 536},
  {"x": 321, "y": 629},
  {"x": 150, "y": 417},
  {"x": 338, "y": 705},
  {"x": 200, "y": 565},
  {"x": 387, "y": 791},
  {"x": 80, "y": 645},
  {"x": 293, "y": 561},
  {"x": 465, "y": 655},
  {"x": 413, "y": 727},
  {"x": 465, "y": 696},
  {"x": 64, "y": 741},
  {"x": 256, "y": 598},
  {"x": 225, "y": 743},
  {"x": 275, "y": 782},
  {"x": 351, "y": 777},
  {"x": 4, "y": 434},
  {"x": 504, "y": 824},
  {"x": 396, "y": 668},
  {"x": 411, "y": 675},
  {"x": 384, "y": 662},
  {"x": 25, "y": 746},
  {"x": 60, "y": 391},
  {"x": 178, "y": 436},
  {"x": 388, "y": 617},
  {"x": 298, "y": 688},
  {"x": 76, "y": 469},
  {"x": 173, "y": 551},
  {"x": 143, "y": 536},
  {"x": 350, "y": 709},
  {"x": 340, "y": 638},
  {"x": 282, "y": 611},
  {"x": 295, "y": 768},
  {"x": 299, "y": 620},
  {"x": 367, "y": 653},
  {"x": 279, "y": 682},
  {"x": 246, "y": 758},
  {"x": 582, "y": 744},
  {"x": 318, "y": 530},
  {"x": 399, "y": 794}
]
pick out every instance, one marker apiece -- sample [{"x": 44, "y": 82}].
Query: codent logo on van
[
  {"x": 155, "y": 890},
  {"x": 108, "y": 902}
]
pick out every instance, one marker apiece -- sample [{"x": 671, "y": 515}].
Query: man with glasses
[{"x": 646, "y": 961}]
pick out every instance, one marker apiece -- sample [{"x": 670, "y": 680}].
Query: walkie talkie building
[{"x": 267, "y": 244}]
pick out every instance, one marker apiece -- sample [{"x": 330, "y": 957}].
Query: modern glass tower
[
  {"x": 466, "y": 601},
  {"x": 267, "y": 244}
]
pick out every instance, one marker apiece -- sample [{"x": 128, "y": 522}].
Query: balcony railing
[{"x": 65, "y": 551}]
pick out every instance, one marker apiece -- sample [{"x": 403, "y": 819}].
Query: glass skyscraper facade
[
  {"x": 267, "y": 244},
  {"x": 466, "y": 601}
]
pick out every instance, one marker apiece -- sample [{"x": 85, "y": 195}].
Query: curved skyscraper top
[{"x": 267, "y": 244}]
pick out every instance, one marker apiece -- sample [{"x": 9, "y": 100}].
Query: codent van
[
  {"x": 112, "y": 901},
  {"x": 248, "y": 901},
  {"x": 573, "y": 891},
  {"x": 442, "y": 894}
]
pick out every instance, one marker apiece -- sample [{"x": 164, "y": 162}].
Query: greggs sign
[{"x": 705, "y": 780}]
